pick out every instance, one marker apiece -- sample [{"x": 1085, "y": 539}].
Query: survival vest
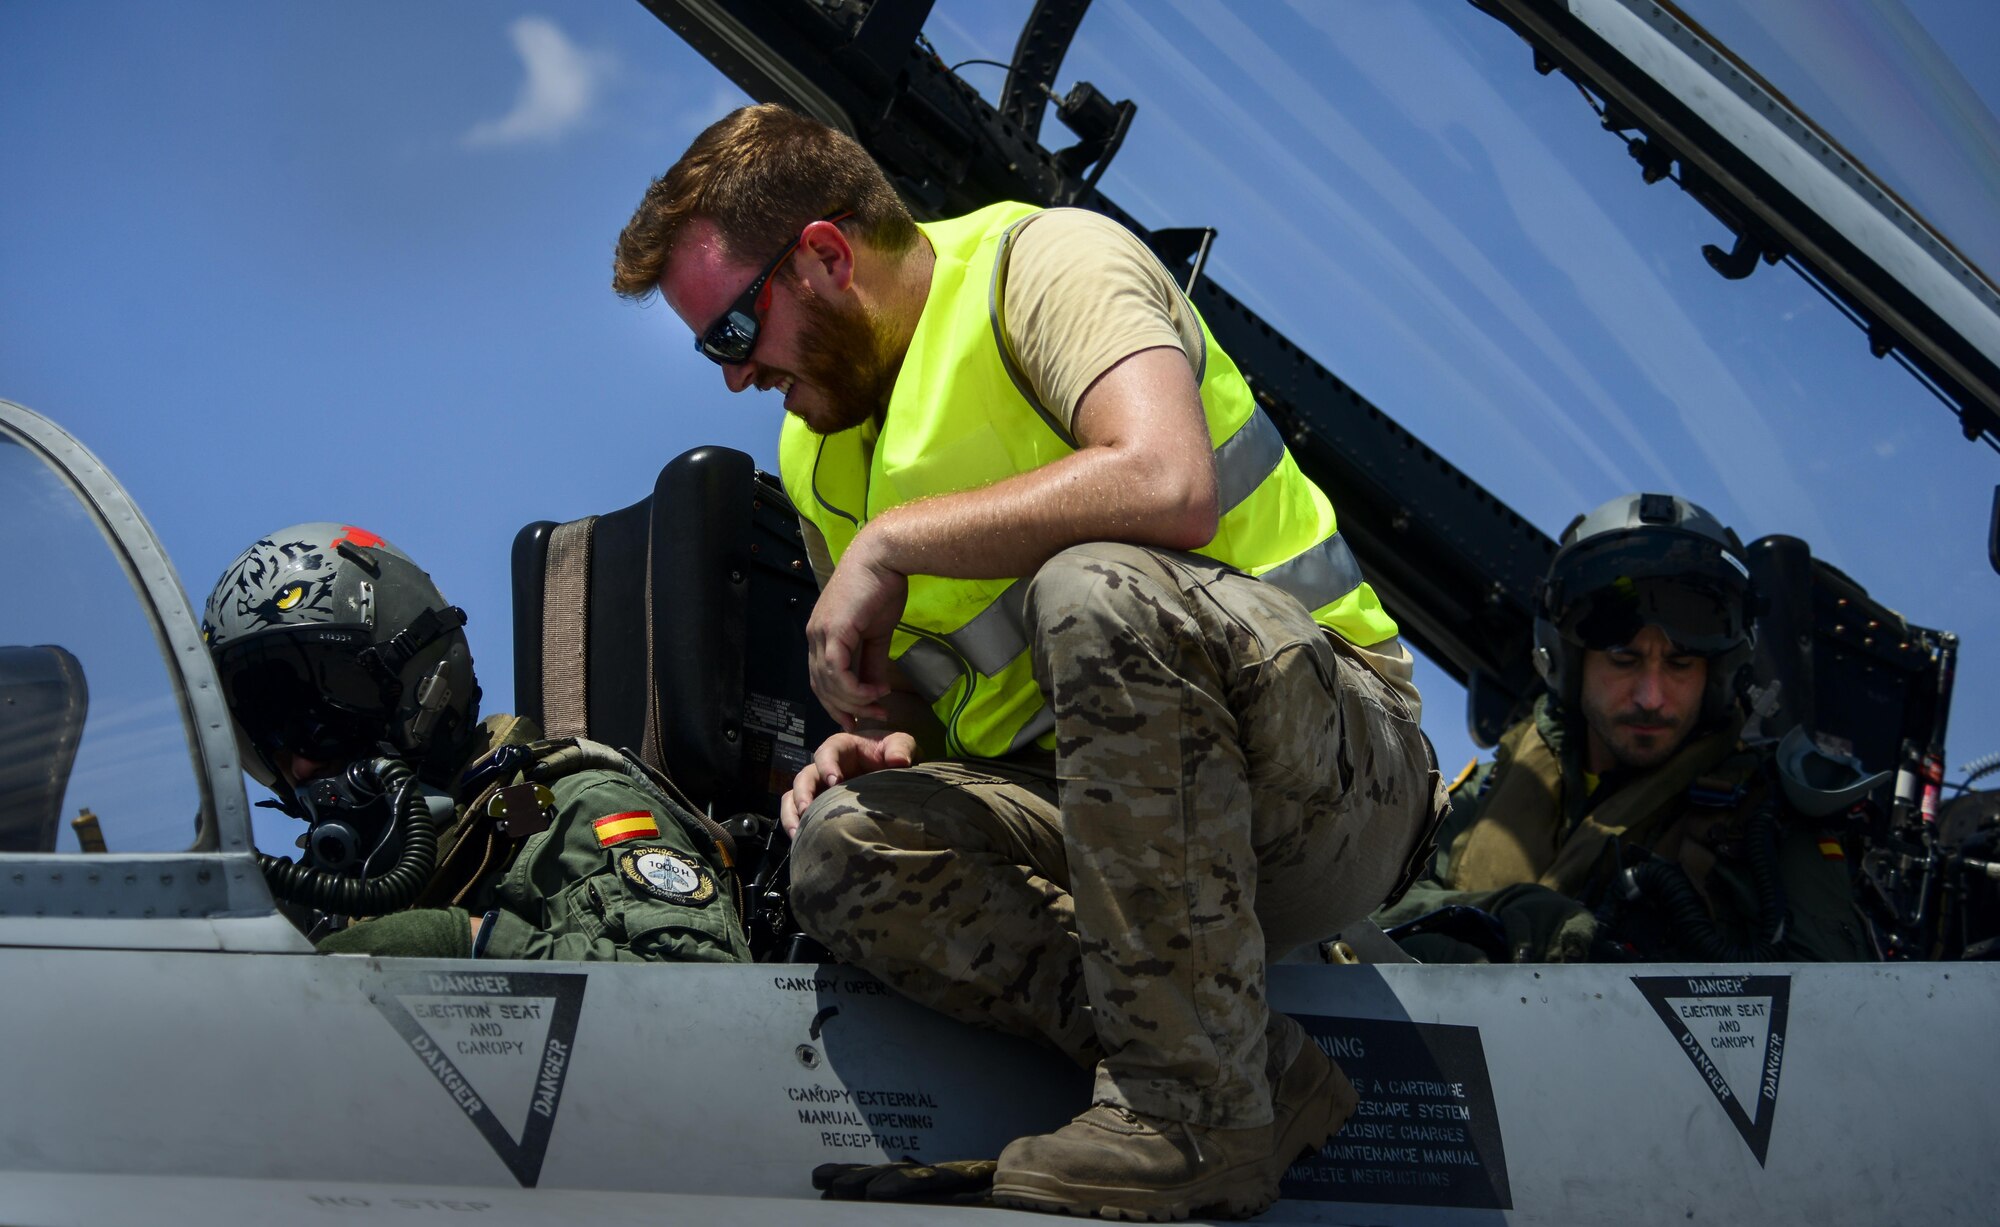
[
  {"x": 511, "y": 751},
  {"x": 962, "y": 416},
  {"x": 1527, "y": 826}
]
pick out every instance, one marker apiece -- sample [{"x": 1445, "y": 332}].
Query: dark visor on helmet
[
  {"x": 306, "y": 696},
  {"x": 1692, "y": 590},
  {"x": 1696, "y": 618}
]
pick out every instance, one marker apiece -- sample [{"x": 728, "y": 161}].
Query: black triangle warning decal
[
  {"x": 499, "y": 1043},
  {"x": 1733, "y": 1029}
]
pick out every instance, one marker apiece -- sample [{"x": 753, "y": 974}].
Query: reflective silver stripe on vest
[
  {"x": 1319, "y": 576},
  {"x": 994, "y": 639},
  {"x": 934, "y": 670},
  {"x": 931, "y": 668},
  {"x": 1246, "y": 458},
  {"x": 1041, "y": 722}
]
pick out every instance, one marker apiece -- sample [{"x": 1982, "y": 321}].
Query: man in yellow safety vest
[{"x": 1121, "y": 720}]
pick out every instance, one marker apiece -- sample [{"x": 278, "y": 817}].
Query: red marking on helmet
[{"x": 350, "y": 535}]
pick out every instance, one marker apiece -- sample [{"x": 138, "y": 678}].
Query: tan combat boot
[
  {"x": 1310, "y": 1103},
  {"x": 1119, "y": 1164}
]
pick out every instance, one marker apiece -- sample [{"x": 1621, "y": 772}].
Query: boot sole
[{"x": 1248, "y": 1197}]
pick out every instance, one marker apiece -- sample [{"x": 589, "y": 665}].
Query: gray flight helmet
[
  {"x": 331, "y": 643},
  {"x": 1648, "y": 559}
]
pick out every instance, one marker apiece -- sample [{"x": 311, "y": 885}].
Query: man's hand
[
  {"x": 847, "y": 638},
  {"x": 839, "y": 758}
]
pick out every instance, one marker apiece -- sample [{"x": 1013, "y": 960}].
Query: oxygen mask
[
  {"x": 351, "y": 820},
  {"x": 370, "y": 847}
]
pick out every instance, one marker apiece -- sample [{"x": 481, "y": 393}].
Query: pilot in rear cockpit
[
  {"x": 430, "y": 833},
  {"x": 1629, "y": 817}
]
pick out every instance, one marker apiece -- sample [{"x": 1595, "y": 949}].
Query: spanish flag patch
[
  {"x": 617, "y": 828},
  {"x": 1831, "y": 850}
]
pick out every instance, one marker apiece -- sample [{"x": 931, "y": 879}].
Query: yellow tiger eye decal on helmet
[{"x": 291, "y": 596}]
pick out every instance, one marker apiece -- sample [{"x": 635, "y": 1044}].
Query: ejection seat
[
  {"x": 1870, "y": 687},
  {"x": 1841, "y": 664},
  {"x": 675, "y": 628},
  {"x": 43, "y": 699}
]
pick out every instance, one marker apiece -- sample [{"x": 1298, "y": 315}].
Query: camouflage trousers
[{"x": 1229, "y": 784}]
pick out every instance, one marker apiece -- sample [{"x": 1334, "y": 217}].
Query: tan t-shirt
[{"x": 1080, "y": 294}]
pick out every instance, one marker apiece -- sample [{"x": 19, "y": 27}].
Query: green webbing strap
[{"x": 566, "y": 630}]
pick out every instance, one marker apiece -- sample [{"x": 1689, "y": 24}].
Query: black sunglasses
[{"x": 729, "y": 340}]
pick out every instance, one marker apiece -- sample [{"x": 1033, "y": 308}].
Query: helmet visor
[
  {"x": 1696, "y": 617},
  {"x": 1690, "y": 588},
  {"x": 306, "y": 695}
]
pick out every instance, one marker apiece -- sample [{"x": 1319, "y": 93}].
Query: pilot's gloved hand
[
  {"x": 1441, "y": 948},
  {"x": 1542, "y": 925},
  {"x": 423, "y": 933},
  {"x": 961, "y": 1180}
]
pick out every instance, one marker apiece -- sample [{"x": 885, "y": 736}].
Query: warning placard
[
  {"x": 1425, "y": 1132},
  {"x": 1732, "y": 1028},
  {"x": 499, "y": 1044}
]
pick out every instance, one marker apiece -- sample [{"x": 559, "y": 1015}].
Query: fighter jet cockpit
[
  {"x": 96, "y": 737},
  {"x": 120, "y": 773}
]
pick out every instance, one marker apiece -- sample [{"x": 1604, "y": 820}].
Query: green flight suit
[
  {"x": 664, "y": 895},
  {"x": 1527, "y": 842}
]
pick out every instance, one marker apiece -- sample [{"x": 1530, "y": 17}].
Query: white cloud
[{"x": 563, "y": 81}]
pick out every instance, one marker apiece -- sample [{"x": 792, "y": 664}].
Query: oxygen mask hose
[
  {"x": 1666, "y": 886},
  {"x": 361, "y": 896}
]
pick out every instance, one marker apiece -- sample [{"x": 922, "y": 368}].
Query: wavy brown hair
[{"x": 760, "y": 175}]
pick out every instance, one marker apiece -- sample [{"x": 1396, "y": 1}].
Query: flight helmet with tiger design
[{"x": 331, "y": 644}]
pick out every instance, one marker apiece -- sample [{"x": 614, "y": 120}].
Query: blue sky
[{"x": 278, "y": 263}]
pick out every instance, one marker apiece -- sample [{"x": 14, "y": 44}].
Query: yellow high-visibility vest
[{"x": 962, "y": 416}]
